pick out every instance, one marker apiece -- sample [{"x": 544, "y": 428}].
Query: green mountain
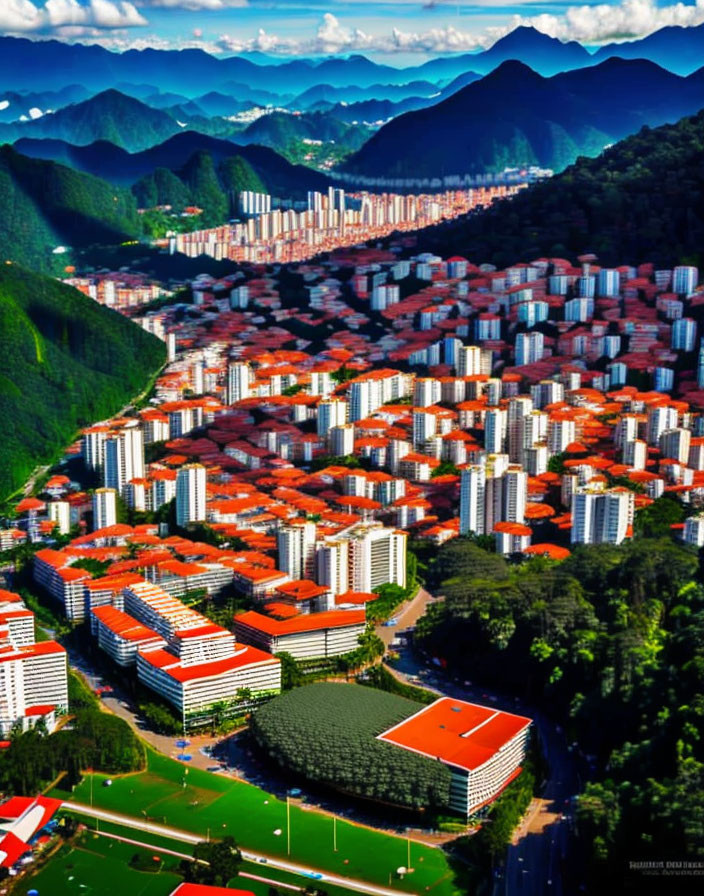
[
  {"x": 514, "y": 117},
  {"x": 66, "y": 362},
  {"x": 110, "y": 116},
  {"x": 46, "y": 205},
  {"x": 641, "y": 200},
  {"x": 201, "y": 183}
]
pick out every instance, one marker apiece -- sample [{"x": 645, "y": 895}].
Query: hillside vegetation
[
  {"x": 641, "y": 200},
  {"x": 515, "y": 117},
  {"x": 66, "y": 362},
  {"x": 327, "y": 733},
  {"x": 610, "y": 643},
  {"x": 46, "y": 205}
]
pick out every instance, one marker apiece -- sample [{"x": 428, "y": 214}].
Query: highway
[{"x": 160, "y": 830}]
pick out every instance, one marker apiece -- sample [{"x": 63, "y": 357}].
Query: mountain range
[
  {"x": 52, "y": 65},
  {"x": 516, "y": 117},
  {"x": 116, "y": 165}
]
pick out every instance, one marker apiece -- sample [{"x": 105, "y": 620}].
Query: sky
[{"x": 395, "y": 31}]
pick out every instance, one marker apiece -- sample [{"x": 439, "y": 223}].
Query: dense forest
[
  {"x": 214, "y": 189},
  {"x": 327, "y": 733},
  {"x": 610, "y": 642},
  {"x": 46, "y": 205},
  {"x": 640, "y": 200},
  {"x": 94, "y": 739},
  {"x": 66, "y": 362}
]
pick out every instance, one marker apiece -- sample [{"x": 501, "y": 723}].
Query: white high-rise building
[
  {"x": 472, "y": 496},
  {"x": 362, "y": 558},
  {"x": 190, "y": 494},
  {"x": 331, "y": 412},
  {"x": 469, "y": 360},
  {"x": 684, "y": 279},
  {"x": 683, "y": 334},
  {"x": 33, "y": 676},
  {"x": 342, "y": 440},
  {"x": 239, "y": 378},
  {"x": 635, "y": 454},
  {"x": 124, "y": 457},
  {"x": 660, "y": 419},
  {"x": 674, "y": 444},
  {"x": 530, "y": 347},
  {"x": 104, "y": 508},
  {"x": 495, "y": 429},
  {"x": 601, "y": 516},
  {"x": 296, "y": 549},
  {"x": 518, "y": 408},
  {"x": 60, "y": 513},
  {"x": 427, "y": 391}
]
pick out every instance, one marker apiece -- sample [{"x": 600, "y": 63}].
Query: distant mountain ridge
[
  {"x": 111, "y": 116},
  {"x": 516, "y": 117},
  {"x": 51, "y": 64}
]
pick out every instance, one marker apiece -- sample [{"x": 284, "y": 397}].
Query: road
[
  {"x": 537, "y": 858},
  {"x": 406, "y": 616},
  {"x": 160, "y": 830}
]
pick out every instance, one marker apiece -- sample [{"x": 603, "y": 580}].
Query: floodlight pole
[{"x": 288, "y": 825}]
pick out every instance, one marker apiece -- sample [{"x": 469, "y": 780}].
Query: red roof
[
  {"x": 461, "y": 734},
  {"x": 308, "y": 623},
  {"x": 247, "y": 656},
  {"x": 203, "y": 890}
]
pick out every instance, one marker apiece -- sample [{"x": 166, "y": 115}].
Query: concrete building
[
  {"x": 104, "y": 508},
  {"x": 483, "y": 747},
  {"x": 190, "y": 494}
]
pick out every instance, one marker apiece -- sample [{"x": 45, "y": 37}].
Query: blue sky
[{"x": 397, "y": 31}]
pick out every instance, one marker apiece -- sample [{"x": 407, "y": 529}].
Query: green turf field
[
  {"x": 97, "y": 867},
  {"x": 217, "y": 805}
]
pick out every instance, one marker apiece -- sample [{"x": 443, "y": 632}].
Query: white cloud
[
  {"x": 195, "y": 4},
  {"x": 21, "y": 16},
  {"x": 629, "y": 19},
  {"x": 587, "y": 24}
]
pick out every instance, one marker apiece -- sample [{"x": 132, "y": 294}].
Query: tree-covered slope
[
  {"x": 327, "y": 732},
  {"x": 514, "y": 117},
  {"x": 641, "y": 200},
  {"x": 109, "y": 116},
  {"x": 66, "y": 361},
  {"x": 46, "y": 205}
]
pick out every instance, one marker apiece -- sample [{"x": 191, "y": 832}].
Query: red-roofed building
[
  {"x": 483, "y": 747},
  {"x": 309, "y": 636}
]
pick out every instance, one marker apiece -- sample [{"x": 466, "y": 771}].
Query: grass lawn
[
  {"x": 222, "y": 806},
  {"x": 96, "y": 866}
]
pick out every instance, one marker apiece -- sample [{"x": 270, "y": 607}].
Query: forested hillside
[
  {"x": 46, "y": 205},
  {"x": 610, "y": 643},
  {"x": 66, "y": 361},
  {"x": 641, "y": 200}
]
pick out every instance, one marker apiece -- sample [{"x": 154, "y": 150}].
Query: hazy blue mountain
[
  {"x": 679, "y": 49},
  {"x": 514, "y": 116},
  {"x": 110, "y": 116},
  {"x": 313, "y": 96},
  {"x": 13, "y": 106}
]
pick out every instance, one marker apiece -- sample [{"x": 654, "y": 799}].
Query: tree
[
  {"x": 291, "y": 675},
  {"x": 216, "y": 863}
]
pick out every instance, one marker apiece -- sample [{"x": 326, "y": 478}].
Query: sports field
[
  {"x": 98, "y": 866},
  {"x": 170, "y": 793}
]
